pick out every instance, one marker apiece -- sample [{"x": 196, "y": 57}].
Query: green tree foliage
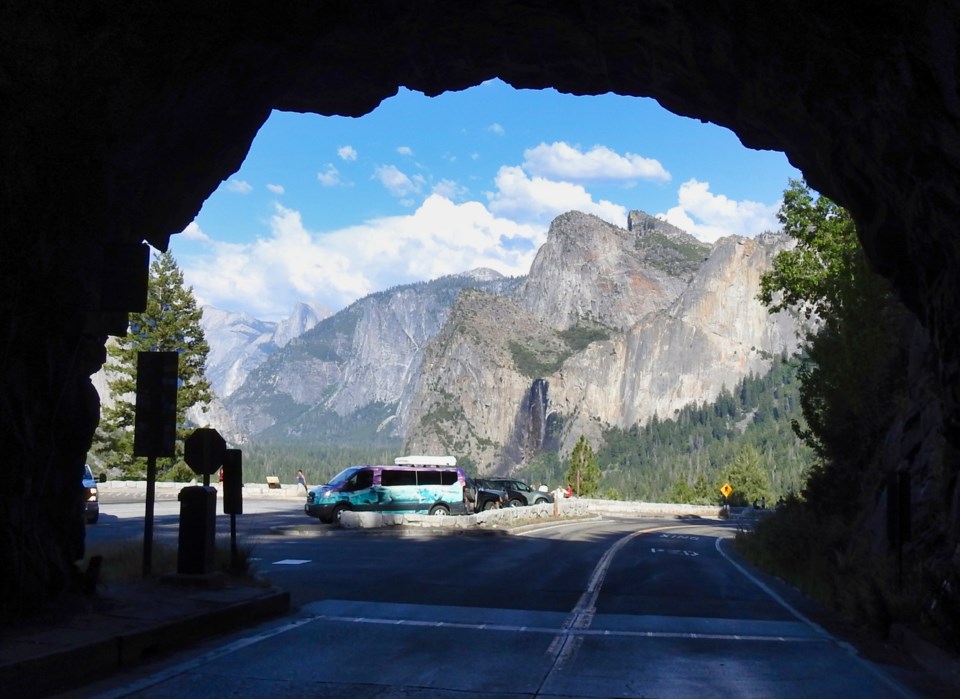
[
  {"x": 854, "y": 362},
  {"x": 547, "y": 468},
  {"x": 853, "y": 381},
  {"x": 319, "y": 462},
  {"x": 748, "y": 477},
  {"x": 814, "y": 276},
  {"x": 685, "y": 458},
  {"x": 584, "y": 471},
  {"x": 171, "y": 322}
]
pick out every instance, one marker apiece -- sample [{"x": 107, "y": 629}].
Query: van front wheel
[
  {"x": 338, "y": 513},
  {"x": 441, "y": 510}
]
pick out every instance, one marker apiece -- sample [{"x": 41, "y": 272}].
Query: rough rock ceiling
[{"x": 119, "y": 119}]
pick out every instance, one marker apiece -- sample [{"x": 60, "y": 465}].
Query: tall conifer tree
[
  {"x": 584, "y": 473},
  {"x": 170, "y": 323}
]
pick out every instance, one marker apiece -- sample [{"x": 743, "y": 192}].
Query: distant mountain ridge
[
  {"x": 611, "y": 326},
  {"x": 347, "y": 376},
  {"x": 239, "y": 342},
  {"x": 600, "y": 335}
]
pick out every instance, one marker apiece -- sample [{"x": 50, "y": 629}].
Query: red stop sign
[{"x": 203, "y": 451}]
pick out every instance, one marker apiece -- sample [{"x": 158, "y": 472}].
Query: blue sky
[{"x": 329, "y": 209}]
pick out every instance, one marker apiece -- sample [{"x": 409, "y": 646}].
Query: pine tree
[
  {"x": 748, "y": 477},
  {"x": 171, "y": 322},
  {"x": 584, "y": 471}
]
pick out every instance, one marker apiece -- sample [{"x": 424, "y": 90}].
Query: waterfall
[{"x": 537, "y": 413}]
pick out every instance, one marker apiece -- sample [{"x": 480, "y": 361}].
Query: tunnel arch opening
[{"x": 496, "y": 162}]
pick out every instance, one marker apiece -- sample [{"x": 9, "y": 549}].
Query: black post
[
  {"x": 234, "y": 554},
  {"x": 148, "y": 516},
  {"x": 155, "y": 428}
]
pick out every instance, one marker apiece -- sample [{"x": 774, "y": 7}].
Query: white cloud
[
  {"x": 561, "y": 161},
  {"x": 193, "y": 232},
  {"x": 239, "y": 186},
  {"x": 266, "y": 277},
  {"x": 538, "y": 199},
  {"x": 405, "y": 150},
  {"x": 495, "y": 128},
  {"x": 396, "y": 182},
  {"x": 450, "y": 189},
  {"x": 276, "y": 188},
  {"x": 348, "y": 153},
  {"x": 712, "y": 216},
  {"x": 330, "y": 177}
]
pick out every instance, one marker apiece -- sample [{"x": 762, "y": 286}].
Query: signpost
[
  {"x": 725, "y": 491},
  {"x": 155, "y": 428},
  {"x": 203, "y": 451},
  {"x": 233, "y": 497}
]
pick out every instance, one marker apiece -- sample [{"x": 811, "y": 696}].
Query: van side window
[
  {"x": 428, "y": 477},
  {"x": 390, "y": 477},
  {"x": 449, "y": 477}
]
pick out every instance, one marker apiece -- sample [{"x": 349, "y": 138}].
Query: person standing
[{"x": 301, "y": 480}]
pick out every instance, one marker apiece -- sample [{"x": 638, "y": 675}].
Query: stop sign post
[{"x": 203, "y": 451}]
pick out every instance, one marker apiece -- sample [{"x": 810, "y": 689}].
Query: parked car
[
  {"x": 480, "y": 496},
  {"x": 519, "y": 493},
  {"x": 90, "y": 497}
]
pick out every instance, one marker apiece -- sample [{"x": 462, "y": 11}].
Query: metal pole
[
  {"x": 234, "y": 555},
  {"x": 148, "y": 516}
]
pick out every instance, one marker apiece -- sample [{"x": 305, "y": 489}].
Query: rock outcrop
[
  {"x": 594, "y": 271},
  {"x": 504, "y": 379},
  {"x": 357, "y": 366}
]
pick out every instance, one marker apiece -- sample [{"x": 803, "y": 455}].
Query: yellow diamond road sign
[{"x": 726, "y": 490}]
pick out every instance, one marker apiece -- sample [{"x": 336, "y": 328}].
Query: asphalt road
[{"x": 636, "y": 608}]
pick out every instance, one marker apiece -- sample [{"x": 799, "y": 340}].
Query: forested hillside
[
  {"x": 687, "y": 457},
  {"x": 318, "y": 461}
]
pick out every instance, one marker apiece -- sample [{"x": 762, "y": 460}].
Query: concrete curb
[{"x": 127, "y": 642}]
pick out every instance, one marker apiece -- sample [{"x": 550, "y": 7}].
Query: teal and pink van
[{"x": 413, "y": 485}]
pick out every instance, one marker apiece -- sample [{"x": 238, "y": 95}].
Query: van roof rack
[{"x": 418, "y": 460}]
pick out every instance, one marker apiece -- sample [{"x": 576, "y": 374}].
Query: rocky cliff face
[
  {"x": 239, "y": 343},
  {"x": 465, "y": 400},
  {"x": 350, "y": 373},
  {"x": 595, "y": 271},
  {"x": 502, "y": 382},
  {"x": 715, "y": 333}
]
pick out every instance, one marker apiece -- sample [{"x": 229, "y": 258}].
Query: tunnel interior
[{"x": 120, "y": 120}]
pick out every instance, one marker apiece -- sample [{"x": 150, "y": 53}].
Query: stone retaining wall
[
  {"x": 167, "y": 489},
  {"x": 572, "y": 507}
]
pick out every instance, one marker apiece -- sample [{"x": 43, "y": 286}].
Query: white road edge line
[
  {"x": 171, "y": 672},
  {"x": 506, "y": 628},
  {"x": 888, "y": 681}
]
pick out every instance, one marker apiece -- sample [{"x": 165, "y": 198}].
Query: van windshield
[{"x": 344, "y": 475}]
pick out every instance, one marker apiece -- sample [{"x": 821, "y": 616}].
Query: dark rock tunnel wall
[{"x": 119, "y": 119}]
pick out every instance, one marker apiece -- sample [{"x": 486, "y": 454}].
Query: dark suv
[
  {"x": 480, "y": 496},
  {"x": 518, "y": 492},
  {"x": 91, "y": 501}
]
